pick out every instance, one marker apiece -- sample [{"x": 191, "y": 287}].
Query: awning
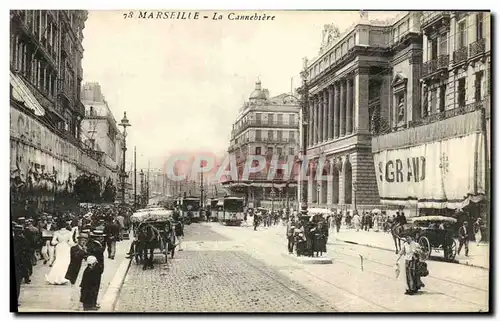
[{"x": 21, "y": 93}]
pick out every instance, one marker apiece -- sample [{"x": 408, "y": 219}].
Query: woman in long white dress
[{"x": 62, "y": 240}]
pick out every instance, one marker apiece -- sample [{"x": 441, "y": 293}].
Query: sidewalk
[
  {"x": 38, "y": 296},
  {"x": 478, "y": 255}
]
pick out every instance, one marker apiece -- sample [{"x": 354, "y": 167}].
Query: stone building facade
[
  {"x": 100, "y": 131},
  {"x": 360, "y": 76},
  {"x": 269, "y": 127},
  {"x": 45, "y": 108},
  {"x": 450, "y": 129}
]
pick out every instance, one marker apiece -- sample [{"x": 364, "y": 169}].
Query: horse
[{"x": 148, "y": 239}]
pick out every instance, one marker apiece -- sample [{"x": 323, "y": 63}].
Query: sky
[{"x": 183, "y": 82}]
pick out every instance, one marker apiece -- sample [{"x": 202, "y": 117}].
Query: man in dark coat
[
  {"x": 77, "y": 255},
  {"x": 33, "y": 238},
  {"x": 463, "y": 238},
  {"x": 95, "y": 247},
  {"x": 91, "y": 282},
  {"x": 112, "y": 232},
  {"x": 22, "y": 262}
]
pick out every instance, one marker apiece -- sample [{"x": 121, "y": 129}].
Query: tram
[
  {"x": 233, "y": 212},
  {"x": 190, "y": 209}
]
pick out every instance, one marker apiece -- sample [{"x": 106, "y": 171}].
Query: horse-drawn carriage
[
  {"x": 432, "y": 233},
  {"x": 154, "y": 230}
]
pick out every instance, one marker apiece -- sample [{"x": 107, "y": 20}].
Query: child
[{"x": 90, "y": 285}]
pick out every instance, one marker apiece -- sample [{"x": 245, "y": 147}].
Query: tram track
[
  {"x": 356, "y": 256},
  {"x": 323, "y": 308}
]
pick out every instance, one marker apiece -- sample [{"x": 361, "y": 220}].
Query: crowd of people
[{"x": 64, "y": 243}]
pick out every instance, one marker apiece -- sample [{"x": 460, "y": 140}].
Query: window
[
  {"x": 291, "y": 135},
  {"x": 258, "y": 118},
  {"x": 477, "y": 86},
  {"x": 443, "y": 44},
  {"x": 270, "y": 150},
  {"x": 442, "y": 98},
  {"x": 291, "y": 119},
  {"x": 433, "y": 105},
  {"x": 479, "y": 26},
  {"x": 280, "y": 135},
  {"x": 258, "y": 135},
  {"x": 270, "y": 135},
  {"x": 461, "y": 92},
  {"x": 280, "y": 119},
  {"x": 462, "y": 34},
  {"x": 270, "y": 118},
  {"x": 280, "y": 151},
  {"x": 291, "y": 151},
  {"x": 434, "y": 48},
  {"x": 258, "y": 150}
]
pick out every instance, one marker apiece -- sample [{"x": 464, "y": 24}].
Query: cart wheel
[
  {"x": 451, "y": 252},
  {"x": 425, "y": 246}
]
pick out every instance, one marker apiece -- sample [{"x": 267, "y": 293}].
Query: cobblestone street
[{"x": 213, "y": 281}]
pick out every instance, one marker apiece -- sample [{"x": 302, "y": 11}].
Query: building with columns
[
  {"x": 434, "y": 156},
  {"x": 266, "y": 126},
  {"x": 356, "y": 78}
]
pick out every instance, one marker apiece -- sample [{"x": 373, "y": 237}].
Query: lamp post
[
  {"x": 141, "y": 174},
  {"x": 354, "y": 188},
  {"x": 304, "y": 99},
  {"x": 125, "y": 123}
]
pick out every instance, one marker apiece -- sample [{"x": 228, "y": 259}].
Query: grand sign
[{"x": 439, "y": 174}]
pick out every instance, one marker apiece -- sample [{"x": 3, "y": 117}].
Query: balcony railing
[
  {"x": 80, "y": 108},
  {"x": 432, "y": 66},
  {"x": 259, "y": 123},
  {"x": 275, "y": 140},
  {"x": 430, "y": 17},
  {"x": 478, "y": 47},
  {"x": 460, "y": 55},
  {"x": 448, "y": 114}
]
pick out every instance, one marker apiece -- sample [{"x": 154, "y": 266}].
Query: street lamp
[
  {"x": 141, "y": 174},
  {"x": 354, "y": 188},
  {"x": 304, "y": 93},
  {"x": 123, "y": 175}
]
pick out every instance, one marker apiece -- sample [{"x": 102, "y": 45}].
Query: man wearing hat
[
  {"x": 22, "y": 263},
  {"x": 95, "y": 247},
  {"x": 463, "y": 238},
  {"x": 77, "y": 255},
  {"x": 33, "y": 236}
]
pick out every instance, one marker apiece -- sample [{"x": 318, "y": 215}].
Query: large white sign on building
[{"x": 442, "y": 174}]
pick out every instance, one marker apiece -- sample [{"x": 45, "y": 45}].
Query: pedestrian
[
  {"x": 411, "y": 250},
  {"x": 356, "y": 221},
  {"x": 463, "y": 239},
  {"x": 290, "y": 235},
  {"x": 77, "y": 255},
  {"x": 33, "y": 238},
  {"x": 478, "y": 225},
  {"x": 21, "y": 256},
  {"x": 121, "y": 222},
  {"x": 179, "y": 234},
  {"x": 112, "y": 232},
  {"x": 89, "y": 287},
  {"x": 95, "y": 248}
]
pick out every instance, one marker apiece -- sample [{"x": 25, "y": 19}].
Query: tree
[
  {"x": 109, "y": 194},
  {"x": 87, "y": 188}
]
